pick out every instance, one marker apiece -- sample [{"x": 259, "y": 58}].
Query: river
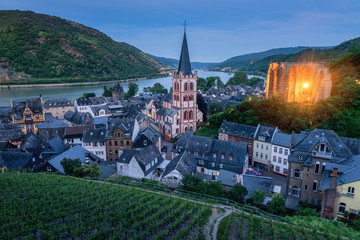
[{"x": 73, "y": 92}]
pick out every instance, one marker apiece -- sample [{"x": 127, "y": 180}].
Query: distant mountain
[
  {"x": 174, "y": 63},
  {"x": 271, "y": 52},
  {"x": 43, "y": 46}
]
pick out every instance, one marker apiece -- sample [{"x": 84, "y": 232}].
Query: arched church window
[
  {"x": 190, "y": 115},
  {"x": 191, "y": 98},
  {"x": 185, "y": 86},
  {"x": 185, "y": 115},
  {"x": 185, "y": 98},
  {"x": 191, "y": 86}
]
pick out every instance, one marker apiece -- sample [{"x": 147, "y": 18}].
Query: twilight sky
[{"x": 217, "y": 29}]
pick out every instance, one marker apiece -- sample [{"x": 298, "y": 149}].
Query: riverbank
[{"x": 46, "y": 85}]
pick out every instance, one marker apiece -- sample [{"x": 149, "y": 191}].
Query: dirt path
[{"x": 216, "y": 226}]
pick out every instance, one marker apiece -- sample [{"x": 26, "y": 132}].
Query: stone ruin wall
[{"x": 299, "y": 82}]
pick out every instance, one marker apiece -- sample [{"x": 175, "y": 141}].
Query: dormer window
[
  {"x": 231, "y": 157},
  {"x": 261, "y": 138},
  {"x": 214, "y": 154},
  {"x": 222, "y": 156}
]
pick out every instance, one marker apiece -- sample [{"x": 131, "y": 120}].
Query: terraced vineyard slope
[{"x": 50, "y": 206}]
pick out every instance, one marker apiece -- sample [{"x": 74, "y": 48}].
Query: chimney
[
  {"x": 292, "y": 140},
  {"x": 334, "y": 172}
]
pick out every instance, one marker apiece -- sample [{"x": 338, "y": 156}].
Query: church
[{"x": 179, "y": 111}]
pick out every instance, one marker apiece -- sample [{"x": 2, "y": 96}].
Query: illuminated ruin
[{"x": 303, "y": 82}]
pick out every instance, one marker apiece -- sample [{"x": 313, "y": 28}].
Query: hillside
[
  {"x": 49, "y": 206},
  {"x": 42, "y": 46},
  {"x": 174, "y": 63}
]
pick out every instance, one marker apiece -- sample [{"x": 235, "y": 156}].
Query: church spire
[{"x": 184, "y": 63}]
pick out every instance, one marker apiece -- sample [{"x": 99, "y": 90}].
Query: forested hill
[
  {"x": 43, "y": 46},
  {"x": 260, "y": 66}
]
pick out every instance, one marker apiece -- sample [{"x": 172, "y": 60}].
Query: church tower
[{"x": 184, "y": 85}]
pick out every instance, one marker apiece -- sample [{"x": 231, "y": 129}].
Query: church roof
[{"x": 184, "y": 63}]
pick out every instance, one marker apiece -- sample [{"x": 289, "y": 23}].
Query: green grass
[{"x": 63, "y": 207}]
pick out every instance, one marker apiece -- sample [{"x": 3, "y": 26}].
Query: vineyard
[
  {"x": 250, "y": 227},
  {"x": 50, "y": 206}
]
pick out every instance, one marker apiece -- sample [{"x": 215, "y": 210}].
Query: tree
[
  {"x": 211, "y": 80},
  {"x": 277, "y": 204},
  {"x": 258, "y": 197},
  {"x": 87, "y": 95},
  {"x": 70, "y": 165},
  {"x": 238, "y": 79},
  {"x": 202, "y": 105},
  {"x": 201, "y": 84},
  {"x": 133, "y": 88},
  {"x": 215, "y": 107},
  {"x": 158, "y": 88},
  {"x": 107, "y": 91},
  {"x": 191, "y": 183},
  {"x": 92, "y": 170},
  {"x": 237, "y": 193},
  {"x": 253, "y": 81}
]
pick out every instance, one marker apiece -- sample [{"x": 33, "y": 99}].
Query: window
[
  {"x": 280, "y": 150},
  {"x": 191, "y": 98},
  {"x": 266, "y": 156},
  {"x": 351, "y": 190},
  {"x": 279, "y": 160},
  {"x": 285, "y": 161},
  {"x": 277, "y": 169},
  {"x": 185, "y": 115},
  {"x": 257, "y": 145},
  {"x": 185, "y": 98},
  {"x": 286, "y": 152},
  {"x": 323, "y": 167},
  {"x": 145, "y": 142},
  {"x": 221, "y": 165},
  {"x": 308, "y": 170},
  {"x": 116, "y": 152},
  {"x": 185, "y": 86},
  {"x": 285, "y": 171},
  {"x": 342, "y": 207},
  {"x": 297, "y": 173},
  {"x": 267, "y": 147},
  {"x": 275, "y": 149},
  {"x": 231, "y": 157},
  {"x": 306, "y": 187},
  {"x": 317, "y": 167},
  {"x": 261, "y": 155},
  {"x": 315, "y": 183},
  {"x": 95, "y": 144},
  {"x": 121, "y": 143},
  {"x": 109, "y": 143},
  {"x": 201, "y": 162},
  {"x": 190, "y": 115},
  {"x": 222, "y": 156},
  {"x": 116, "y": 143},
  {"x": 127, "y": 143},
  {"x": 295, "y": 191},
  {"x": 213, "y": 164},
  {"x": 262, "y": 146},
  {"x": 257, "y": 154},
  {"x": 274, "y": 158},
  {"x": 191, "y": 86},
  {"x": 214, "y": 154}
]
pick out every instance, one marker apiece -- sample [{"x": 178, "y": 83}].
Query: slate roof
[
  {"x": 74, "y": 152},
  {"x": 94, "y": 135},
  {"x": 108, "y": 169},
  {"x": 19, "y": 160},
  {"x": 4, "y": 146},
  {"x": 31, "y": 142},
  {"x": 58, "y": 102},
  {"x": 353, "y": 144},
  {"x": 227, "y": 178},
  {"x": 34, "y": 104},
  {"x": 348, "y": 171},
  {"x": 168, "y": 98},
  {"x": 184, "y": 163},
  {"x": 204, "y": 148},
  {"x": 45, "y": 134},
  {"x": 167, "y": 112},
  {"x": 253, "y": 183},
  {"x": 143, "y": 156},
  {"x": 265, "y": 131},
  {"x": 151, "y": 134},
  {"x": 51, "y": 122},
  {"x": 10, "y": 132},
  {"x": 75, "y": 132},
  {"x": 78, "y": 117},
  {"x": 96, "y": 109},
  {"x": 238, "y": 130},
  {"x": 317, "y": 136},
  {"x": 132, "y": 111},
  {"x": 282, "y": 139},
  {"x": 90, "y": 101},
  {"x": 125, "y": 125},
  {"x": 146, "y": 137},
  {"x": 184, "y": 62},
  {"x": 54, "y": 145}
]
